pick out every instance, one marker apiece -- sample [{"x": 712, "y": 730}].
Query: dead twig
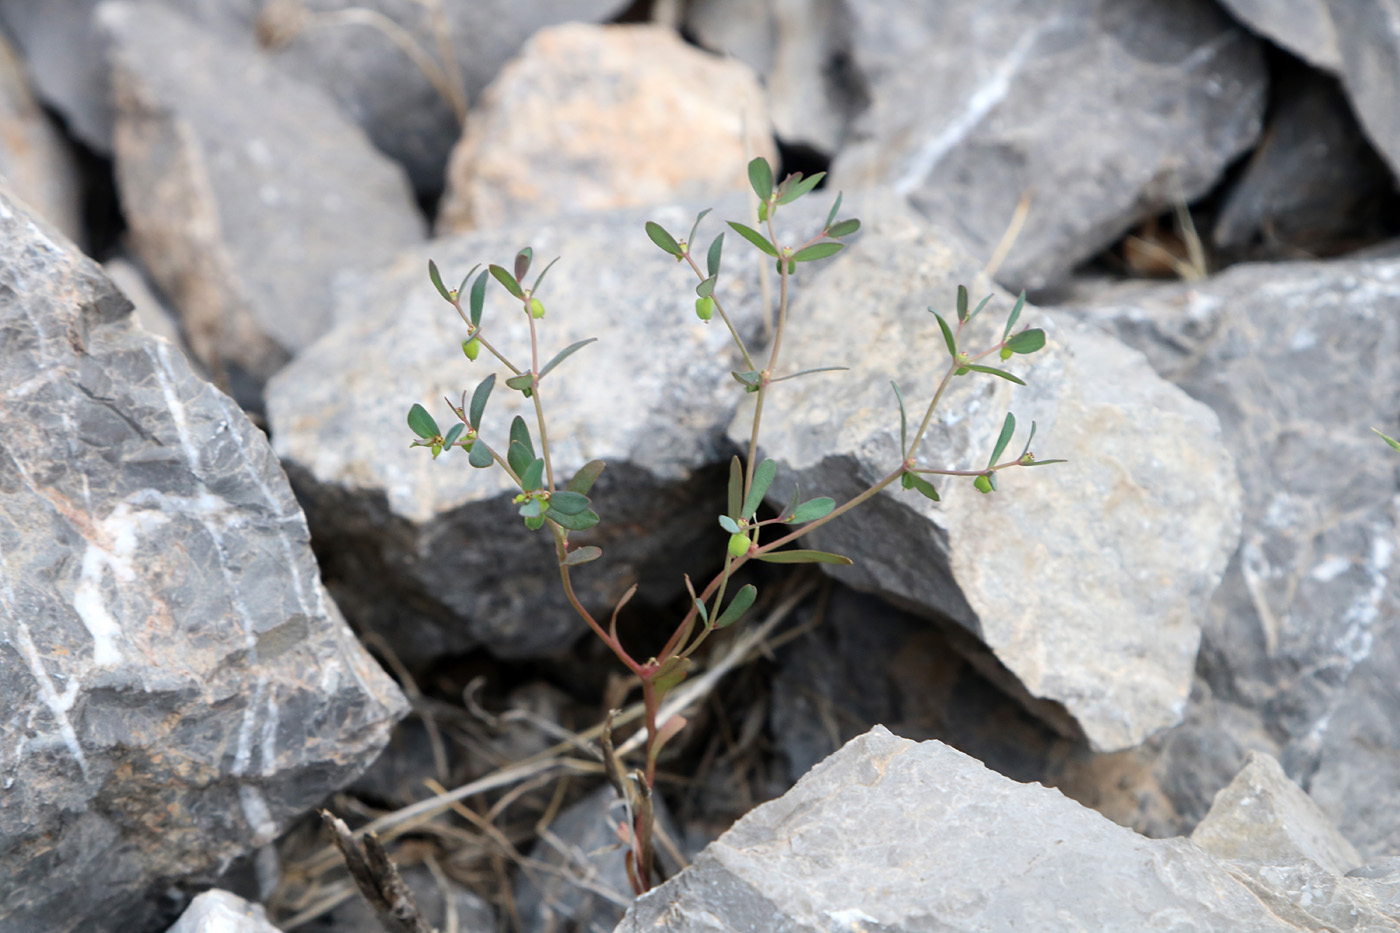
[{"x": 378, "y": 879}]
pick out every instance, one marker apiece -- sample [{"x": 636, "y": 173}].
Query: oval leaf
[
  {"x": 706, "y": 288},
  {"x": 479, "y": 397},
  {"x": 533, "y": 477},
  {"x": 761, "y": 177},
  {"x": 478, "y": 299},
  {"x": 804, "y": 557},
  {"x": 480, "y": 455},
  {"x": 565, "y": 354},
  {"x": 522, "y": 262},
  {"x": 521, "y": 382},
  {"x": 508, "y": 280},
  {"x": 437, "y": 281},
  {"x": 583, "y": 555},
  {"x": 1027, "y": 341},
  {"x": 696, "y": 226},
  {"x": 962, "y": 302},
  {"x": 844, "y": 228},
  {"x": 737, "y": 606},
  {"x": 729, "y": 524},
  {"x": 736, "y": 485},
  {"x": 762, "y": 479},
  {"x": 813, "y": 509},
  {"x": 569, "y": 503},
  {"x": 587, "y": 475},
  {"x": 521, "y": 452},
  {"x": 947, "y": 334},
  {"x": 817, "y": 251},
  {"x": 661, "y": 238},
  {"x": 800, "y": 186},
  {"x": 422, "y": 423},
  {"x": 713, "y": 257},
  {"x": 580, "y": 522},
  {"x": 1008, "y": 427},
  {"x": 453, "y": 433},
  {"x": 915, "y": 481}
]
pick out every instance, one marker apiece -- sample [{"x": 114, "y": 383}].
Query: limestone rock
[
  {"x": 34, "y": 158},
  {"x": 1101, "y": 114},
  {"x": 1085, "y": 579},
  {"x": 599, "y": 117},
  {"x": 178, "y": 686},
  {"x": 1304, "y": 27},
  {"x": 221, "y": 912},
  {"x": 246, "y": 192}
]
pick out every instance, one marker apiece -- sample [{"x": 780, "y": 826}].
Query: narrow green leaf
[
  {"x": 1048, "y": 462},
  {"x": 800, "y": 187},
  {"x": 808, "y": 372},
  {"x": 508, "y": 280},
  {"x": 564, "y": 354},
  {"x": 521, "y": 452},
  {"x": 437, "y": 281},
  {"x": 478, "y": 299},
  {"x": 756, "y": 238},
  {"x": 844, "y": 228},
  {"x": 706, "y": 288},
  {"x": 1027, "y": 341},
  {"x": 1015, "y": 313},
  {"x": 762, "y": 479},
  {"x": 699, "y": 604},
  {"x": 736, "y": 485},
  {"x": 453, "y": 433},
  {"x": 994, "y": 372},
  {"x": 479, "y": 397},
  {"x": 915, "y": 481},
  {"x": 980, "y": 305},
  {"x": 661, "y": 238},
  {"x": 522, "y": 262},
  {"x": 817, "y": 251},
  {"x": 761, "y": 177},
  {"x": 1008, "y": 428},
  {"x": 1389, "y": 440},
  {"x": 903, "y": 421},
  {"x": 813, "y": 509},
  {"x": 729, "y": 524},
  {"x": 804, "y": 557},
  {"x": 568, "y": 503},
  {"x": 533, "y": 477},
  {"x": 947, "y": 334},
  {"x": 587, "y": 475},
  {"x": 696, "y": 226},
  {"x": 962, "y": 302},
  {"x": 1025, "y": 450},
  {"x": 737, "y": 606},
  {"x": 835, "y": 209},
  {"x": 713, "y": 257},
  {"x": 795, "y": 501},
  {"x": 421, "y": 422},
  {"x": 580, "y": 522},
  {"x": 543, "y": 274},
  {"x": 521, "y": 382},
  {"x": 583, "y": 555},
  {"x": 462, "y": 289},
  {"x": 480, "y": 455}
]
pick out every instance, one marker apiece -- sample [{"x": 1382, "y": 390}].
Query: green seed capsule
[
  {"x": 705, "y": 308},
  {"x": 738, "y": 544},
  {"x": 472, "y": 348},
  {"x": 1006, "y": 353},
  {"x": 983, "y": 484},
  {"x": 536, "y": 308}
]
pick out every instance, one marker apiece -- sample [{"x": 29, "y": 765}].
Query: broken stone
[
  {"x": 1303, "y": 27},
  {"x": 35, "y": 159},
  {"x": 221, "y": 912}
]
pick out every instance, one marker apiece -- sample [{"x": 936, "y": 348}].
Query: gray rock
[
  {"x": 178, "y": 685},
  {"x": 1085, "y": 579},
  {"x": 591, "y": 118},
  {"x": 1103, "y": 114},
  {"x": 1264, "y": 816},
  {"x": 149, "y": 311},
  {"x": 1309, "y": 897},
  {"x": 889, "y": 834},
  {"x": 434, "y": 554},
  {"x": 1303, "y": 27},
  {"x": 1300, "y": 361},
  {"x": 222, "y": 912},
  {"x": 246, "y": 192}
]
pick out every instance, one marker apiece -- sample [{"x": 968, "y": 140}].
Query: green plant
[{"x": 544, "y": 502}]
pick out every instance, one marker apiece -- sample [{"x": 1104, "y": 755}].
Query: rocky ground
[{"x": 1149, "y": 688}]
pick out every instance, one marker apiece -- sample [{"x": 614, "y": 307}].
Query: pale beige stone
[{"x": 34, "y": 158}]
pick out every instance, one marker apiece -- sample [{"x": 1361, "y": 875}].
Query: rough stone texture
[
  {"x": 801, "y": 48},
  {"x": 889, "y": 834},
  {"x": 150, "y": 313},
  {"x": 34, "y": 158},
  {"x": 1264, "y": 816},
  {"x": 243, "y": 205},
  {"x": 1085, "y": 579},
  {"x": 1314, "y": 186},
  {"x": 1303, "y": 27},
  {"x": 1300, "y": 361},
  {"x": 222, "y": 912},
  {"x": 598, "y": 117},
  {"x": 1103, "y": 114},
  {"x": 177, "y": 685},
  {"x": 433, "y": 553}
]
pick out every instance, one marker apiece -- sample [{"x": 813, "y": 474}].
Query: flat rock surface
[{"x": 178, "y": 685}]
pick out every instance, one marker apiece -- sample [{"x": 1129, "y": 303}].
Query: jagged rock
[
  {"x": 177, "y": 685},
  {"x": 602, "y": 117},
  {"x": 222, "y": 912},
  {"x": 34, "y": 158},
  {"x": 1101, "y": 114},
  {"x": 433, "y": 553},
  {"x": 1299, "y": 361},
  {"x": 1303, "y": 27},
  {"x": 246, "y": 192},
  {"x": 1085, "y": 579},
  {"x": 894, "y": 835}
]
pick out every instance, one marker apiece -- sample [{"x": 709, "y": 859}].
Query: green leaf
[
  {"x": 534, "y": 522},
  {"x": 736, "y": 485},
  {"x": 751, "y": 378},
  {"x": 583, "y": 555},
  {"x": 544, "y": 273},
  {"x": 480, "y": 455},
  {"x": 521, "y": 452},
  {"x": 835, "y": 208},
  {"x": 903, "y": 421},
  {"x": 1025, "y": 450},
  {"x": 808, "y": 372},
  {"x": 422, "y": 423},
  {"x": 713, "y": 257},
  {"x": 461, "y": 289},
  {"x": 580, "y": 522},
  {"x": 994, "y": 372},
  {"x": 661, "y": 238},
  {"x": 478, "y": 299},
  {"x": 479, "y": 397},
  {"x": 762, "y": 479},
  {"x": 844, "y": 228},
  {"x": 729, "y": 524},
  {"x": 437, "y": 281},
  {"x": 453, "y": 433},
  {"x": 962, "y": 302},
  {"x": 799, "y": 187},
  {"x": 533, "y": 477},
  {"x": 737, "y": 606},
  {"x": 564, "y": 354},
  {"x": 567, "y": 503},
  {"x": 1027, "y": 341},
  {"x": 947, "y": 334},
  {"x": 980, "y": 305},
  {"x": 699, "y": 606},
  {"x": 915, "y": 481},
  {"x": 804, "y": 557},
  {"x": 696, "y": 226},
  {"x": 521, "y": 382},
  {"x": 706, "y": 288},
  {"x": 761, "y": 177},
  {"x": 1008, "y": 428},
  {"x": 1048, "y": 462},
  {"x": 817, "y": 251},
  {"x": 813, "y": 509},
  {"x": 522, "y": 262},
  {"x": 508, "y": 280},
  {"x": 1015, "y": 313},
  {"x": 792, "y": 505},
  {"x": 583, "y": 480},
  {"x": 756, "y": 238},
  {"x": 532, "y": 508},
  {"x": 1389, "y": 440}
]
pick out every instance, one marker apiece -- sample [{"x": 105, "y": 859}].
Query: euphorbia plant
[{"x": 565, "y": 508}]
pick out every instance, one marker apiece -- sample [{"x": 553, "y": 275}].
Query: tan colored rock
[
  {"x": 599, "y": 117},
  {"x": 33, "y": 156}
]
